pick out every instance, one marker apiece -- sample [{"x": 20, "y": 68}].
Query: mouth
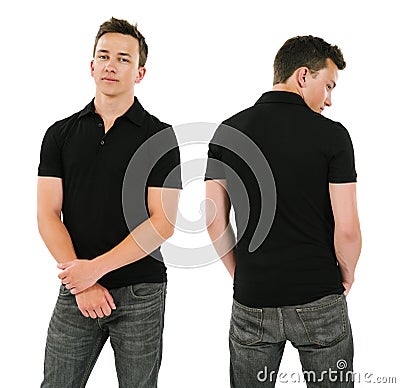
[{"x": 107, "y": 79}]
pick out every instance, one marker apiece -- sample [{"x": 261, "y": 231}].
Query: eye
[
  {"x": 124, "y": 60},
  {"x": 329, "y": 87},
  {"x": 102, "y": 57}
]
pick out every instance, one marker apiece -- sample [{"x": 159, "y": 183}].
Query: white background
[{"x": 207, "y": 60}]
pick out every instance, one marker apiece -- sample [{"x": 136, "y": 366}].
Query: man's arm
[
  {"x": 347, "y": 237},
  {"x": 97, "y": 301},
  {"x": 52, "y": 230},
  {"x": 219, "y": 228},
  {"x": 144, "y": 239}
]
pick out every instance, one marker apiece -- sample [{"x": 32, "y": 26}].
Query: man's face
[
  {"x": 319, "y": 86},
  {"x": 115, "y": 67}
]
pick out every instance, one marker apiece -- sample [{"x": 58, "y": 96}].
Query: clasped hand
[{"x": 78, "y": 275}]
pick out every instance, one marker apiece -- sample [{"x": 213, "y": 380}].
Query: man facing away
[
  {"x": 114, "y": 280},
  {"x": 293, "y": 286}
]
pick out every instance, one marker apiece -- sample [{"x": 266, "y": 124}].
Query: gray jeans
[
  {"x": 319, "y": 330},
  {"x": 135, "y": 329}
]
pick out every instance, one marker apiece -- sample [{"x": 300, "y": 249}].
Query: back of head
[
  {"x": 307, "y": 51},
  {"x": 123, "y": 27}
]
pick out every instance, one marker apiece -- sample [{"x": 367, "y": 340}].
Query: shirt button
[
  {"x": 102, "y": 142},
  {"x": 100, "y": 125}
]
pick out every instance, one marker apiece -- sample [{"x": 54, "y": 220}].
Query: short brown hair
[
  {"x": 123, "y": 27},
  {"x": 308, "y": 51}
]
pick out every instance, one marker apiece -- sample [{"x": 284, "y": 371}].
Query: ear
[
  {"x": 91, "y": 67},
  {"x": 141, "y": 73},
  {"x": 302, "y": 75}
]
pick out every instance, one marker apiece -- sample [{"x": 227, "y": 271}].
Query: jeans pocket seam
[
  {"x": 258, "y": 336},
  {"x": 337, "y": 300},
  {"x": 243, "y": 307},
  {"x": 308, "y": 328},
  {"x": 146, "y": 297}
]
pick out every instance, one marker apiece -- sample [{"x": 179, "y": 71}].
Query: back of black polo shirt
[
  {"x": 92, "y": 165},
  {"x": 296, "y": 261}
]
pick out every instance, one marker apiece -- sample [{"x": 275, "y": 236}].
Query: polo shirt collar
[
  {"x": 279, "y": 96},
  {"x": 135, "y": 113}
]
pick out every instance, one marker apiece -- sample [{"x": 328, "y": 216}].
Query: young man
[
  {"x": 293, "y": 286},
  {"x": 114, "y": 280}
]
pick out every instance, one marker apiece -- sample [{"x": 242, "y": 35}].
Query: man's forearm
[
  {"x": 229, "y": 262},
  {"x": 348, "y": 249},
  {"x": 56, "y": 237},
  {"x": 223, "y": 239},
  {"x": 78, "y": 275},
  {"x": 143, "y": 240}
]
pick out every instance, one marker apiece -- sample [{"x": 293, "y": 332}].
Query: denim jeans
[
  {"x": 319, "y": 330},
  {"x": 135, "y": 329}
]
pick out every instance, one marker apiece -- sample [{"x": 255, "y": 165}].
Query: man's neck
[
  {"x": 110, "y": 108},
  {"x": 286, "y": 88}
]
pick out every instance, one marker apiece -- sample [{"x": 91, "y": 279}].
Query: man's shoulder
[
  {"x": 59, "y": 130},
  {"x": 67, "y": 120},
  {"x": 336, "y": 128},
  {"x": 306, "y": 117},
  {"x": 64, "y": 124},
  {"x": 154, "y": 124},
  {"x": 239, "y": 116},
  {"x": 259, "y": 119},
  {"x": 325, "y": 121}
]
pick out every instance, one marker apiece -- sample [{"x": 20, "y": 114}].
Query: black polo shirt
[
  {"x": 92, "y": 165},
  {"x": 296, "y": 262}
]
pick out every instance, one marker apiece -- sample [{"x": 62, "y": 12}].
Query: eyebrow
[{"x": 120, "y": 53}]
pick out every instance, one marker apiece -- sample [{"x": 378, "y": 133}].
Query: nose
[
  {"x": 328, "y": 101},
  {"x": 110, "y": 65}
]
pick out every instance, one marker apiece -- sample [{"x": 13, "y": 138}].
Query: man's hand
[
  {"x": 78, "y": 275},
  {"x": 95, "y": 302},
  {"x": 347, "y": 287}
]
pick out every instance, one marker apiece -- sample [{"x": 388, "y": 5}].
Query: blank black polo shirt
[
  {"x": 92, "y": 166},
  {"x": 296, "y": 262}
]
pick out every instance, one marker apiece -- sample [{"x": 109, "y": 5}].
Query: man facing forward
[{"x": 114, "y": 280}]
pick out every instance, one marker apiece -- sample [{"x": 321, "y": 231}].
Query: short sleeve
[
  {"x": 342, "y": 165},
  {"x": 215, "y": 163},
  {"x": 165, "y": 160},
  {"x": 50, "y": 155},
  {"x": 215, "y": 168}
]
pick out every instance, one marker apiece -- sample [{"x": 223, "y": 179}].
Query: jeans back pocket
[
  {"x": 325, "y": 324},
  {"x": 246, "y": 324}
]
